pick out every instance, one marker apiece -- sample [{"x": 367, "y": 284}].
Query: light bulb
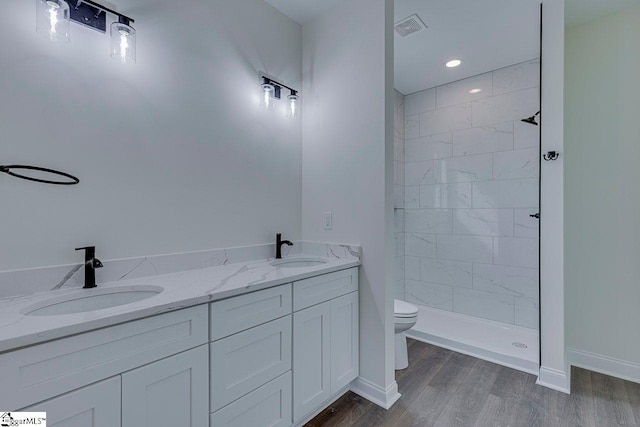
[
  {"x": 475, "y": 91},
  {"x": 53, "y": 19},
  {"x": 454, "y": 63},
  {"x": 53, "y": 16},
  {"x": 124, "y": 45},
  {"x": 267, "y": 95},
  {"x": 123, "y": 42},
  {"x": 294, "y": 106}
]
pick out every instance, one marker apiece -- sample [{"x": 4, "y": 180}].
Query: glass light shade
[
  {"x": 123, "y": 43},
  {"x": 53, "y": 19},
  {"x": 294, "y": 106},
  {"x": 267, "y": 96}
]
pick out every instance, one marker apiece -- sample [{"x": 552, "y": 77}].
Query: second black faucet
[{"x": 279, "y": 243}]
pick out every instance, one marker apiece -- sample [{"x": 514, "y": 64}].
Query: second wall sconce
[
  {"x": 53, "y": 18},
  {"x": 272, "y": 90}
]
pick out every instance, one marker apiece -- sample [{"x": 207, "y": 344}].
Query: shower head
[{"x": 532, "y": 120}]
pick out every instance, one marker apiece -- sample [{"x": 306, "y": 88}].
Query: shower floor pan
[{"x": 508, "y": 345}]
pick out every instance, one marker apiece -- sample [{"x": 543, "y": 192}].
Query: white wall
[
  {"x": 471, "y": 184},
  {"x": 174, "y": 152},
  {"x": 601, "y": 192},
  {"x": 348, "y": 159}
]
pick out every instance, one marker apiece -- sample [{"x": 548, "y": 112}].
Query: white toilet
[{"x": 406, "y": 316}]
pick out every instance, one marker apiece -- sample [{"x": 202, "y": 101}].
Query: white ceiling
[
  {"x": 582, "y": 11},
  {"x": 485, "y": 35},
  {"x": 303, "y": 11}
]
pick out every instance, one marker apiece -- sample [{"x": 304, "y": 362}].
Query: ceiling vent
[{"x": 410, "y": 25}]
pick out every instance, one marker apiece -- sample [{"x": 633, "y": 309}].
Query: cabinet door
[
  {"x": 173, "y": 391},
  {"x": 97, "y": 405},
  {"x": 311, "y": 353},
  {"x": 344, "y": 341}
]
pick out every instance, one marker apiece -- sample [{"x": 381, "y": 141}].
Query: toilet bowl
[{"x": 406, "y": 316}]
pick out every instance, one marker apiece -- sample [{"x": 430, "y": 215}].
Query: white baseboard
[
  {"x": 554, "y": 379},
  {"x": 384, "y": 398},
  {"x": 604, "y": 365}
]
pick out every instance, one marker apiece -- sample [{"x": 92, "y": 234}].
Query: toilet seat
[{"x": 403, "y": 309}]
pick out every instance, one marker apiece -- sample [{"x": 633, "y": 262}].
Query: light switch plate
[{"x": 328, "y": 221}]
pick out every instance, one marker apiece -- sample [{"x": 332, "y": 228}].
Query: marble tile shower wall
[
  {"x": 471, "y": 177},
  {"x": 399, "y": 194}
]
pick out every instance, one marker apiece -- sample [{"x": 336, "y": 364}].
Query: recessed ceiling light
[
  {"x": 454, "y": 63},
  {"x": 474, "y": 91}
]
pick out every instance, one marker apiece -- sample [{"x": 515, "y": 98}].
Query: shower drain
[{"x": 519, "y": 345}]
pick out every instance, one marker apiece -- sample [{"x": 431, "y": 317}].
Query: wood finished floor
[{"x": 444, "y": 388}]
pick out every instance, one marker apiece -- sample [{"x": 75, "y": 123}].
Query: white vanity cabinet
[
  {"x": 280, "y": 354},
  {"x": 177, "y": 385},
  {"x": 172, "y": 391},
  {"x": 267, "y": 358},
  {"x": 311, "y": 356},
  {"x": 325, "y": 339},
  {"x": 251, "y": 359},
  {"x": 344, "y": 342},
  {"x": 97, "y": 405},
  {"x": 269, "y": 405},
  {"x": 122, "y": 375}
]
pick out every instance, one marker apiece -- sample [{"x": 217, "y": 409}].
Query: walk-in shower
[{"x": 467, "y": 177}]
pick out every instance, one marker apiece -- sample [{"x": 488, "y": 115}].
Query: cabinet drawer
[
  {"x": 245, "y": 361},
  {"x": 268, "y": 406},
  {"x": 97, "y": 405},
  {"x": 37, "y": 373},
  {"x": 246, "y": 311},
  {"x": 319, "y": 289}
]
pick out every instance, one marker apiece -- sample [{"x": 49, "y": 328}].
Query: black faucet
[
  {"x": 90, "y": 265},
  {"x": 279, "y": 243}
]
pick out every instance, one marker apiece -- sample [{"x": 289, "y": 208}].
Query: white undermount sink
[
  {"x": 91, "y": 300},
  {"x": 298, "y": 262}
]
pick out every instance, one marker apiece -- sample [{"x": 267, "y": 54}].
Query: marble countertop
[{"x": 180, "y": 290}]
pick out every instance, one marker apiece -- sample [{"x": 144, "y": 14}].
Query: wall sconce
[
  {"x": 268, "y": 94},
  {"x": 294, "y": 105},
  {"x": 53, "y": 18},
  {"x": 123, "y": 41},
  {"x": 272, "y": 90}
]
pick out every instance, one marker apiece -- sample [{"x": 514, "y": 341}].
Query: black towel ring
[{"x": 8, "y": 169}]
